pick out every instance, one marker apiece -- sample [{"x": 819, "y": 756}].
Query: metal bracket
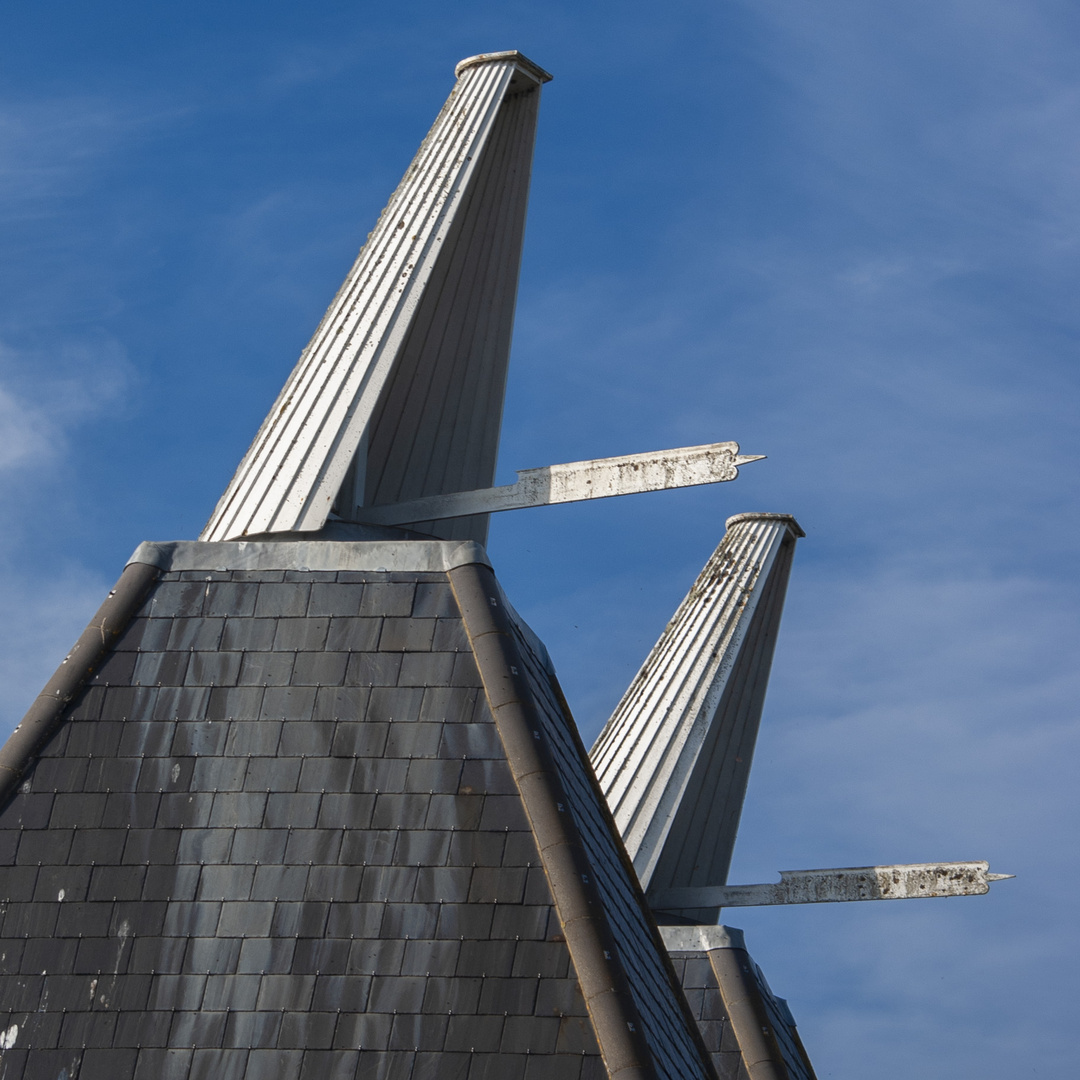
[{"x": 601, "y": 478}]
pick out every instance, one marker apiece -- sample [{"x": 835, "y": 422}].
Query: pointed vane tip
[
  {"x": 999, "y": 877},
  {"x": 520, "y": 59},
  {"x": 744, "y": 459}
]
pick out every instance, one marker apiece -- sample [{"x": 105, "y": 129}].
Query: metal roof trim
[
  {"x": 410, "y": 556},
  {"x": 701, "y": 938},
  {"x": 760, "y": 515},
  {"x": 526, "y": 65}
]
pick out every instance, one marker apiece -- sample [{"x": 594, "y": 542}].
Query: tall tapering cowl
[
  {"x": 674, "y": 759},
  {"x": 399, "y": 393}
]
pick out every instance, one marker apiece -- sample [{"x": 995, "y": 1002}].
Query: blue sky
[{"x": 844, "y": 234}]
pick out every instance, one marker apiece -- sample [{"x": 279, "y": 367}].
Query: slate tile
[
  {"x": 49, "y": 774},
  {"x": 172, "y": 598},
  {"x": 349, "y": 920},
  {"x": 446, "y": 995},
  {"x": 442, "y": 884},
  {"x": 368, "y": 1030},
  {"x": 353, "y": 634},
  {"x": 434, "y": 774},
  {"x": 364, "y": 847},
  {"x": 455, "y": 705},
  {"x": 366, "y": 739},
  {"x": 258, "y": 845},
  {"x": 44, "y": 846},
  {"x": 72, "y": 809},
  {"x": 400, "y": 810},
  {"x": 413, "y": 740},
  {"x": 491, "y": 958},
  {"x": 99, "y": 1063},
  {"x": 280, "y": 882},
  {"x": 515, "y": 996},
  {"x": 137, "y": 918},
  {"x": 559, "y": 997},
  {"x": 186, "y": 918},
  {"x": 422, "y": 847},
  {"x": 289, "y": 702},
  {"x": 317, "y": 956},
  {"x": 307, "y": 919},
  {"x": 542, "y": 1067},
  {"x": 439, "y": 1065},
  {"x": 257, "y": 575},
  {"x": 504, "y": 812},
  {"x": 216, "y": 774},
  {"x": 406, "y": 635},
  {"x": 427, "y": 669},
  {"x": 380, "y": 775},
  {"x": 213, "y": 669},
  {"x": 527, "y": 921},
  {"x": 320, "y": 669},
  {"x": 313, "y": 846},
  {"x": 258, "y": 738},
  {"x": 171, "y": 882},
  {"x": 409, "y": 921},
  {"x": 289, "y": 992},
  {"x": 199, "y": 737},
  {"x": 373, "y": 669},
  {"x": 199, "y": 634},
  {"x": 11, "y": 954},
  {"x": 110, "y": 773},
  {"x": 238, "y": 809},
  {"x": 219, "y": 1064},
  {"x": 489, "y": 777},
  {"x": 528, "y": 1034},
  {"x": 235, "y": 599},
  {"x": 212, "y": 956},
  {"x": 430, "y": 957},
  {"x": 146, "y": 738},
  {"x": 499, "y": 1067},
  {"x": 468, "y": 921},
  {"x": 18, "y": 882},
  {"x": 278, "y": 773},
  {"x": 36, "y": 920},
  {"x": 232, "y": 992},
  {"x": 231, "y": 883},
  {"x": 144, "y": 635},
  {"x": 300, "y": 810},
  {"x": 143, "y": 1029},
  {"x": 330, "y": 1065},
  {"x": 117, "y": 670},
  {"x": 455, "y": 811},
  {"x": 279, "y": 1064},
  {"x": 396, "y": 993},
  {"x": 157, "y": 955},
  {"x": 150, "y": 669},
  {"x": 386, "y": 598},
  {"x": 97, "y": 737},
  {"x": 266, "y": 955},
  {"x": 375, "y": 957},
  {"x": 418, "y": 1032},
  {"x": 309, "y": 739},
  {"x": 265, "y": 668},
  {"x": 282, "y": 600},
  {"x": 465, "y": 672},
  {"x": 190, "y": 809},
  {"x": 29, "y": 810},
  {"x": 309, "y": 1030},
  {"x": 521, "y": 850},
  {"x": 334, "y": 598},
  {"x": 177, "y": 991},
  {"x": 549, "y": 959},
  {"x": 116, "y": 883},
  {"x": 434, "y": 600},
  {"x": 341, "y": 993},
  {"x": 394, "y": 884},
  {"x": 252, "y": 1029},
  {"x": 537, "y": 890},
  {"x": 165, "y": 774},
  {"x": 450, "y": 637},
  {"x": 248, "y": 635},
  {"x": 95, "y": 846},
  {"x": 234, "y": 703},
  {"x": 470, "y": 848},
  {"x": 334, "y": 883},
  {"x": 475, "y": 1033}
]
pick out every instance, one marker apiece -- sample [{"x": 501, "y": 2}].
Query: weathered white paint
[
  {"x": 908, "y": 881},
  {"x": 576, "y": 481},
  {"x": 290, "y": 477},
  {"x": 675, "y": 725}
]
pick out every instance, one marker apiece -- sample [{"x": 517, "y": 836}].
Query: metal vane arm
[
  {"x": 601, "y": 478},
  {"x": 905, "y": 882}
]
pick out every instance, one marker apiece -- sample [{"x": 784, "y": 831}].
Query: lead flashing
[
  {"x": 701, "y": 938},
  {"x": 383, "y": 556},
  {"x": 522, "y": 62}
]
